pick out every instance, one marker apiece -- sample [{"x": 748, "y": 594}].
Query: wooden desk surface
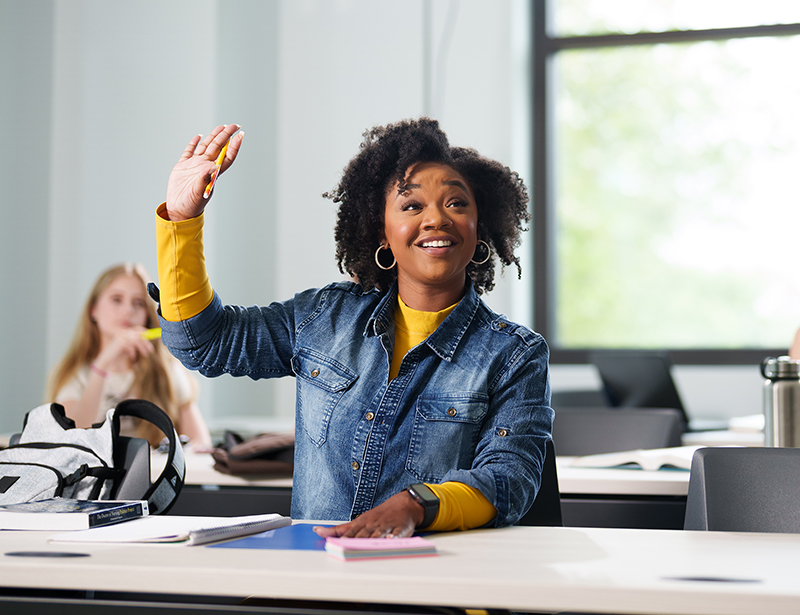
[{"x": 593, "y": 570}]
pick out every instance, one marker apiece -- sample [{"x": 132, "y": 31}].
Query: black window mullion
[{"x": 543, "y": 244}]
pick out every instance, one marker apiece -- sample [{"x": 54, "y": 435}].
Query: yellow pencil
[
  {"x": 151, "y": 334},
  {"x": 220, "y": 158}
]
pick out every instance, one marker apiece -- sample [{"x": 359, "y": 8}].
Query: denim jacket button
[
  {"x": 370, "y": 416},
  {"x": 356, "y": 465},
  {"x": 315, "y": 373},
  {"x": 501, "y": 325},
  {"x": 451, "y": 412},
  {"x": 502, "y": 433}
]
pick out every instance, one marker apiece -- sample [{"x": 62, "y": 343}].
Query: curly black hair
[{"x": 385, "y": 155}]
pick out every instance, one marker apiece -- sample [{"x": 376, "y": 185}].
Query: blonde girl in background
[{"x": 109, "y": 360}]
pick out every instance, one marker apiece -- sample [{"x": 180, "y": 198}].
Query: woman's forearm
[
  {"x": 86, "y": 411},
  {"x": 182, "y": 276}
]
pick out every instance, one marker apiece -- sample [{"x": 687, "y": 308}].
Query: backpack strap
[{"x": 165, "y": 489}]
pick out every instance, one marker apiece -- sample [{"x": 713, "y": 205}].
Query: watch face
[
  {"x": 423, "y": 494},
  {"x": 428, "y": 500}
]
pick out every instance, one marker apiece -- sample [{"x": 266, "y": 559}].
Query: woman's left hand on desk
[{"x": 395, "y": 518}]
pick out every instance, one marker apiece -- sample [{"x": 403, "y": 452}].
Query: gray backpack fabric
[{"x": 53, "y": 458}]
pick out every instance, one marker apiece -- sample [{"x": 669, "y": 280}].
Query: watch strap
[{"x": 423, "y": 495}]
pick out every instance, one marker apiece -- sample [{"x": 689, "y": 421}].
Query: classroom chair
[
  {"x": 740, "y": 489},
  {"x": 579, "y": 398},
  {"x": 546, "y": 509},
  {"x": 591, "y": 431}
]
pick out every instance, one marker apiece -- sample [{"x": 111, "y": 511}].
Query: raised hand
[{"x": 194, "y": 170}]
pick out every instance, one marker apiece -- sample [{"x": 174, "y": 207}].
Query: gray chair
[
  {"x": 591, "y": 431},
  {"x": 744, "y": 490},
  {"x": 579, "y": 398}
]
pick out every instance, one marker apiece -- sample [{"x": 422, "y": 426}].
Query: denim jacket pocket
[
  {"x": 321, "y": 382},
  {"x": 445, "y": 435}
]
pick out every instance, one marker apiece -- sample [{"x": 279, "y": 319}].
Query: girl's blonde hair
[{"x": 151, "y": 380}]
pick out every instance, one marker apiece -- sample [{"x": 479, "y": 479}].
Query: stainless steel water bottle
[{"x": 781, "y": 402}]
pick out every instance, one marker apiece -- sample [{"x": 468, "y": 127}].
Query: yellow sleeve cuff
[
  {"x": 461, "y": 507},
  {"x": 182, "y": 276}
]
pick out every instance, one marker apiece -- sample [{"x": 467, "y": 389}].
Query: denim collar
[{"x": 446, "y": 338}]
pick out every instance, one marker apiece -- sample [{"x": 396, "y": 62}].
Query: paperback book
[
  {"x": 372, "y": 548},
  {"x": 174, "y": 529},
  {"x": 646, "y": 459},
  {"x": 67, "y": 514}
]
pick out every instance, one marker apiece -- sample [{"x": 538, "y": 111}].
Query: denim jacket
[{"x": 470, "y": 403}]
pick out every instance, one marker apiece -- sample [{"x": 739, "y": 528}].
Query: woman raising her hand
[{"x": 417, "y": 405}]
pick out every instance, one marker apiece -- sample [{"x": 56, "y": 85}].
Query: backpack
[{"x": 53, "y": 458}]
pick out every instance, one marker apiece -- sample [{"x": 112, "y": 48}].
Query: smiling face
[
  {"x": 121, "y": 305},
  {"x": 431, "y": 228}
]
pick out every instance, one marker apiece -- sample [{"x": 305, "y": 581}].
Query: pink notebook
[{"x": 372, "y": 548}]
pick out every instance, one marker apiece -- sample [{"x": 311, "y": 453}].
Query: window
[{"x": 666, "y": 152}]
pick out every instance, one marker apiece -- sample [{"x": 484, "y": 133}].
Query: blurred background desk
[
  {"x": 589, "y": 497},
  {"x": 207, "y": 492},
  {"x": 623, "y": 498}
]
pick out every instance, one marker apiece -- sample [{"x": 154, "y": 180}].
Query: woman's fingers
[
  {"x": 394, "y": 517},
  {"x": 189, "y": 151},
  {"x": 202, "y": 148},
  {"x": 327, "y": 532},
  {"x": 233, "y": 150},
  {"x": 212, "y": 145}
]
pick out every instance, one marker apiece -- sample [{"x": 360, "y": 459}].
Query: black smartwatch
[{"x": 427, "y": 498}]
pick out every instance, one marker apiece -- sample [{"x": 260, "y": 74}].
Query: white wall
[
  {"x": 98, "y": 100},
  {"x": 25, "y": 102}
]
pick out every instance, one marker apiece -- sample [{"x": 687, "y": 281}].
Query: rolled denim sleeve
[
  {"x": 241, "y": 341},
  {"x": 510, "y": 453}
]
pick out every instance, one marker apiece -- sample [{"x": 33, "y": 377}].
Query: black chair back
[{"x": 546, "y": 509}]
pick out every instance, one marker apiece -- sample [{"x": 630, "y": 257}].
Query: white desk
[
  {"x": 723, "y": 438},
  {"x": 200, "y": 471},
  {"x": 522, "y": 568}
]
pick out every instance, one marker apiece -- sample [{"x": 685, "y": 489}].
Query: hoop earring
[
  {"x": 488, "y": 254},
  {"x": 378, "y": 262}
]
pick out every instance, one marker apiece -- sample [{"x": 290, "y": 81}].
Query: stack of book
[
  {"x": 66, "y": 514},
  {"x": 373, "y": 548}
]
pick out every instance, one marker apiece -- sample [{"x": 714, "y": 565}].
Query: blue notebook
[{"x": 299, "y": 536}]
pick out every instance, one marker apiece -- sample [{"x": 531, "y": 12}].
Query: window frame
[{"x": 544, "y": 48}]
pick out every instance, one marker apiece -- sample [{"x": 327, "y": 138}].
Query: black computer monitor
[{"x": 638, "y": 379}]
